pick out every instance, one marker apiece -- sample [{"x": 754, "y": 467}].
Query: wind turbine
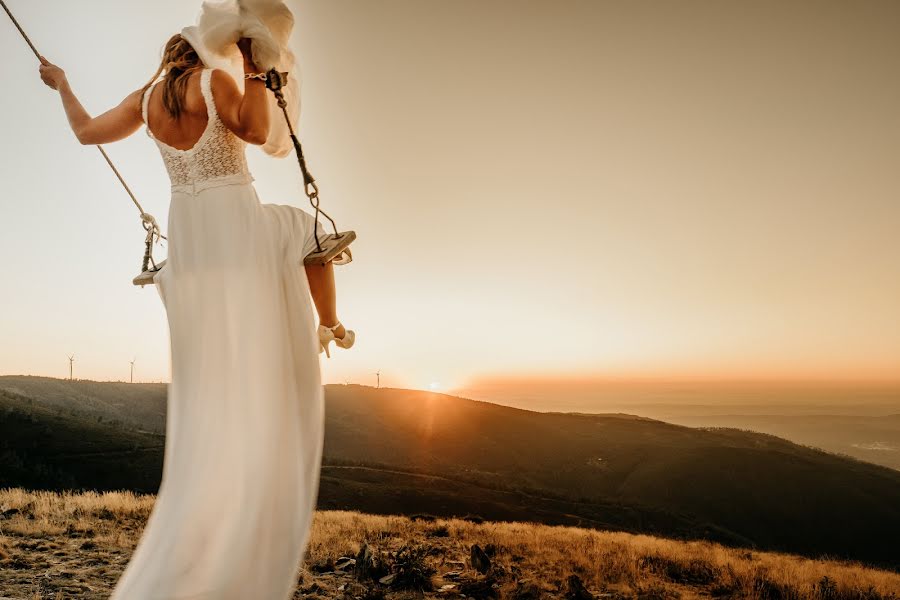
[
  {"x": 132, "y": 368},
  {"x": 71, "y": 360},
  {"x": 378, "y": 379}
]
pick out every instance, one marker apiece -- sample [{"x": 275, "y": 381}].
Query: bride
[{"x": 245, "y": 412}]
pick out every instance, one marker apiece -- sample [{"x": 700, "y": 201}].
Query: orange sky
[
  {"x": 666, "y": 396},
  {"x": 698, "y": 189}
]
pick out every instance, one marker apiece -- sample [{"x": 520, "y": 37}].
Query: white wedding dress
[{"x": 245, "y": 415}]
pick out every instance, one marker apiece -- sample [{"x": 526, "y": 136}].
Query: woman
[{"x": 245, "y": 408}]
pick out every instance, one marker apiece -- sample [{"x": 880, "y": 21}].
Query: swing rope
[
  {"x": 275, "y": 81},
  {"x": 154, "y": 234},
  {"x": 22, "y": 31}
]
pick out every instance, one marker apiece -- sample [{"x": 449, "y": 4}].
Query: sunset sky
[{"x": 546, "y": 189}]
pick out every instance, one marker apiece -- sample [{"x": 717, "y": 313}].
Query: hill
[
  {"x": 756, "y": 487},
  {"x": 137, "y": 405},
  {"x": 875, "y": 439},
  {"x": 390, "y": 451},
  {"x": 80, "y": 544}
]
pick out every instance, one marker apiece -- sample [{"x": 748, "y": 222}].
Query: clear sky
[{"x": 550, "y": 189}]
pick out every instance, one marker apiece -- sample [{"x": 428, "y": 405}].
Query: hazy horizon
[
  {"x": 566, "y": 190},
  {"x": 661, "y": 398}
]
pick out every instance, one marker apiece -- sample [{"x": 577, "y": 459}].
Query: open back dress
[{"x": 244, "y": 427}]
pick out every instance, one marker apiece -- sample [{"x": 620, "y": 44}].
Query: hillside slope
[
  {"x": 874, "y": 439},
  {"x": 138, "y": 405},
  {"x": 391, "y": 451},
  {"x": 79, "y": 545},
  {"x": 758, "y": 487}
]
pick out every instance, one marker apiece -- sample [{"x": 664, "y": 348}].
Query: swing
[{"x": 334, "y": 247}]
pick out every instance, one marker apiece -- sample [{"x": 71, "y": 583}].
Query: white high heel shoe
[{"x": 326, "y": 336}]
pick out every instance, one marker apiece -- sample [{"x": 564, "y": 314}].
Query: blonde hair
[{"x": 179, "y": 60}]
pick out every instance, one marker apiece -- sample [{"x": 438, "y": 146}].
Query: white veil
[{"x": 269, "y": 24}]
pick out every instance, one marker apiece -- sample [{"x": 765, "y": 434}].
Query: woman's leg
[{"x": 324, "y": 295}]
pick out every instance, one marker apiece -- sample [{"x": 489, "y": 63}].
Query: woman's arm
[
  {"x": 112, "y": 126},
  {"x": 247, "y": 114}
]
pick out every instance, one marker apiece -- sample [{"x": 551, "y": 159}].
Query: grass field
[{"x": 74, "y": 545}]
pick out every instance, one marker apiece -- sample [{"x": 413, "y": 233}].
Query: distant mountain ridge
[
  {"x": 390, "y": 450},
  {"x": 870, "y": 438}
]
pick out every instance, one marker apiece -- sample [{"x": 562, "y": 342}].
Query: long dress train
[{"x": 244, "y": 426}]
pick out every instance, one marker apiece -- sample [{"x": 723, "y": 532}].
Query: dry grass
[{"x": 60, "y": 546}]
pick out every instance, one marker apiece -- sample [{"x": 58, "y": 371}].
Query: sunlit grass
[{"x": 74, "y": 545}]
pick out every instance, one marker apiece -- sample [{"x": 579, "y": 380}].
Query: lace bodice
[{"x": 217, "y": 157}]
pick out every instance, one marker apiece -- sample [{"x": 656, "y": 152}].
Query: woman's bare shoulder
[
  {"x": 134, "y": 100},
  {"x": 222, "y": 81}
]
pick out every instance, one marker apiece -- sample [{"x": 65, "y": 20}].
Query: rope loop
[
  {"x": 149, "y": 221},
  {"x": 154, "y": 234}
]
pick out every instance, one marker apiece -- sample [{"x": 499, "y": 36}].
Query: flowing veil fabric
[
  {"x": 269, "y": 24},
  {"x": 245, "y": 424}
]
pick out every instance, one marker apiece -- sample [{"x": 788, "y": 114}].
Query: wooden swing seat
[{"x": 335, "y": 247}]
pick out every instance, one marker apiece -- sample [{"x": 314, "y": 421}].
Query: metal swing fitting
[{"x": 275, "y": 80}]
